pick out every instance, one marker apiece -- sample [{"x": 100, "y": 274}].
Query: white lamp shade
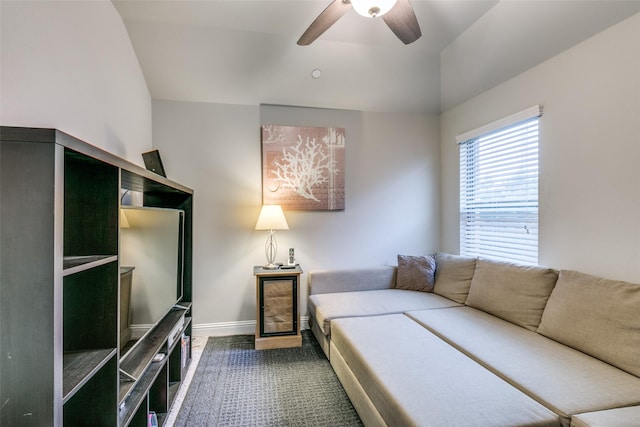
[
  {"x": 272, "y": 218},
  {"x": 372, "y": 8}
]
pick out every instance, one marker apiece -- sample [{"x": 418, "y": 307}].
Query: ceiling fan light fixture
[
  {"x": 400, "y": 18},
  {"x": 372, "y": 8}
]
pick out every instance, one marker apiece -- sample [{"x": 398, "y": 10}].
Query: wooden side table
[{"x": 277, "y": 315}]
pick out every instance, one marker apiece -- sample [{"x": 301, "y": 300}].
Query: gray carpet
[{"x": 235, "y": 385}]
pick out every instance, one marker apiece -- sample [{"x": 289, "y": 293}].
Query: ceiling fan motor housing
[{"x": 372, "y": 8}]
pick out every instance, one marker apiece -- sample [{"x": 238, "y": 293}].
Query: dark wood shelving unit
[{"x": 60, "y": 201}]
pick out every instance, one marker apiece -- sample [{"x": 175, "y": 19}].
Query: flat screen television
[{"x": 151, "y": 267}]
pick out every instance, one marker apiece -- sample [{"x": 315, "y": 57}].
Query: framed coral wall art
[{"x": 303, "y": 167}]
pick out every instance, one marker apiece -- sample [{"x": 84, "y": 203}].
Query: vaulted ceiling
[{"x": 245, "y": 51}]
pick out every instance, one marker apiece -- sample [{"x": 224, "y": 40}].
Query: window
[{"x": 499, "y": 189}]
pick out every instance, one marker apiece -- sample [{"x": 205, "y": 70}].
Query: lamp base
[{"x": 270, "y": 250}]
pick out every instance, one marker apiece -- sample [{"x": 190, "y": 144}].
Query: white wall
[
  {"x": 70, "y": 65},
  {"x": 589, "y": 152},
  {"x": 514, "y": 36},
  {"x": 391, "y": 183}
]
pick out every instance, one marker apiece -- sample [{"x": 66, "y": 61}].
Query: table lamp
[{"x": 271, "y": 218}]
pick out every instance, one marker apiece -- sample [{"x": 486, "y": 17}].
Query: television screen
[{"x": 151, "y": 264}]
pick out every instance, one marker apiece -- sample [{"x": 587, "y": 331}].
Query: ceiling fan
[{"x": 398, "y": 14}]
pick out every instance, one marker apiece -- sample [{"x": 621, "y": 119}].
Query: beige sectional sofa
[{"x": 487, "y": 344}]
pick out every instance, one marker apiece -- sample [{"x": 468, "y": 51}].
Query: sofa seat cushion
[
  {"x": 620, "y": 417},
  {"x": 516, "y": 293},
  {"x": 415, "y": 379},
  {"x": 326, "y": 307},
  {"x": 600, "y": 317},
  {"x": 563, "y": 379}
]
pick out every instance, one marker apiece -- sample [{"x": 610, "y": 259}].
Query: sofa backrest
[
  {"x": 350, "y": 280},
  {"x": 453, "y": 276},
  {"x": 513, "y": 292},
  {"x": 597, "y": 316}
]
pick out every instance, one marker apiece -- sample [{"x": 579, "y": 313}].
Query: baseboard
[{"x": 242, "y": 327}]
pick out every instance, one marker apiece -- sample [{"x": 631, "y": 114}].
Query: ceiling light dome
[{"x": 372, "y": 8}]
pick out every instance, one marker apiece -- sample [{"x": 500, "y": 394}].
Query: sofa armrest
[{"x": 363, "y": 279}]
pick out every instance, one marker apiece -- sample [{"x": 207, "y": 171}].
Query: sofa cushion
[
  {"x": 516, "y": 293},
  {"x": 326, "y": 307},
  {"x": 561, "y": 378},
  {"x": 416, "y": 273},
  {"x": 619, "y": 417},
  {"x": 351, "y": 280},
  {"x": 415, "y": 379},
  {"x": 600, "y": 317},
  {"x": 453, "y": 276}
]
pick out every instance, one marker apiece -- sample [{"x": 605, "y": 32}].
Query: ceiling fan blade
[
  {"x": 403, "y": 22},
  {"x": 326, "y": 19}
]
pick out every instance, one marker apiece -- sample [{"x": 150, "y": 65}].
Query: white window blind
[{"x": 499, "y": 190}]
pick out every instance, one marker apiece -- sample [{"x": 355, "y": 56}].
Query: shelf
[
  {"x": 90, "y": 206},
  {"x": 90, "y": 308},
  {"x": 150, "y": 183},
  {"x": 140, "y": 357},
  {"x": 161, "y": 418},
  {"x": 173, "y": 391},
  {"x": 137, "y": 395},
  {"x": 95, "y": 402},
  {"x": 76, "y": 264},
  {"x": 79, "y": 367},
  {"x": 184, "y": 305}
]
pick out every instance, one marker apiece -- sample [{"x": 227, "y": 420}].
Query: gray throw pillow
[{"x": 416, "y": 273}]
